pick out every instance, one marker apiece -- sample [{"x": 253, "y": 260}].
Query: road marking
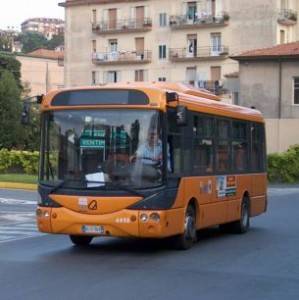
[
  {"x": 17, "y": 220},
  {"x": 11, "y": 201},
  {"x": 16, "y": 231}
]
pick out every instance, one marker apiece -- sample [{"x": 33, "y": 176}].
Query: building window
[
  {"x": 162, "y": 79},
  {"x": 94, "y": 46},
  {"x": 282, "y": 36},
  {"x": 216, "y": 44},
  {"x": 192, "y": 11},
  {"x": 163, "y": 19},
  {"x": 93, "y": 78},
  {"x": 191, "y": 45},
  {"x": 191, "y": 75},
  {"x": 139, "y": 75},
  {"x": 113, "y": 45},
  {"x": 111, "y": 76},
  {"x": 162, "y": 51},
  {"x": 94, "y": 16},
  {"x": 296, "y": 90}
]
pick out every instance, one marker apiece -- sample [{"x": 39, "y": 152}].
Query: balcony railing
[
  {"x": 287, "y": 17},
  {"x": 215, "y": 87},
  {"x": 202, "y": 53},
  {"x": 122, "y": 57},
  {"x": 123, "y": 26},
  {"x": 202, "y": 20}
]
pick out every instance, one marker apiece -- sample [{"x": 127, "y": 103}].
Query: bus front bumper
[{"x": 123, "y": 223}]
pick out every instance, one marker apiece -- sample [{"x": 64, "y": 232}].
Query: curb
[{"x": 17, "y": 185}]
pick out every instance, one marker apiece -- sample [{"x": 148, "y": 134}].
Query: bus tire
[
  {"x": 186, "y": 240},
  {"x": 80, "y": 240},
  {"x": 242, "y": 225}
]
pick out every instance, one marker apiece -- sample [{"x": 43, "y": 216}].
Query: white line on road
[{"x": 12, "y": 201}]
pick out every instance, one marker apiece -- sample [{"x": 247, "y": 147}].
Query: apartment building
[
  {"x": 41, "y": 70},
  {"x": 170, "y": 40},
  {"x": 269, "y": 81},
  {"x": 46, "y": 26}
]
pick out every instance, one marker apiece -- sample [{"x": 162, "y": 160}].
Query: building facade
[
  {"x": 41, "y": 71},
  {"x": 269, "y": 81},
  {"x": 170, "y": 40},
  {"x": 45, "y": 26}
]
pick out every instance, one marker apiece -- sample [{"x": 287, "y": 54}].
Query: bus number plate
[{"x": 93, "y": 229}]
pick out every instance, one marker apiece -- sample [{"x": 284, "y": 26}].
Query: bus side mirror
[
  {"x": 25, "y": 117},
  {"x": 181, "y": 115}
]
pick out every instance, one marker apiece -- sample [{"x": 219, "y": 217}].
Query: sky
[{"x": 14, "y": 12}]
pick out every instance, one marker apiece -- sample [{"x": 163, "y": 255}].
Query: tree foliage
[
  {"x": 32, "y": 41},
  {"x": 9, "y": 63},
  {"x": 284, "y": 167},
  {"x": 12, "y": 133},
  {"x": 56, "y": 41},
  {"x": 10, "y": 111},
  {"x": 5, "y": 43}
]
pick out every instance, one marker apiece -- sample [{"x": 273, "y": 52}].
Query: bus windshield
[{"x": 97, "y": 148}]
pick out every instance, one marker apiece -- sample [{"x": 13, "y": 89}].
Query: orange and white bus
[{"x": 148, "y": 161}]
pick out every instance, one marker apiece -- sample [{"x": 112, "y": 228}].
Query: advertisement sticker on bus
[{"x": 226, "y": 186}]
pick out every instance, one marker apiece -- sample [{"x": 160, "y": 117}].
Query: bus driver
[{"x": 150, "y": 153}]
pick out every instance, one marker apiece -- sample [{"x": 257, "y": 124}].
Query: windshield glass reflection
[{"x": 93, "y": 148}]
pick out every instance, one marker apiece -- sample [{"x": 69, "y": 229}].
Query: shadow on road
[{"x": 117, "y": 248}]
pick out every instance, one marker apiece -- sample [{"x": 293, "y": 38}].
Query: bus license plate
[{"x": 93, "y": 229}]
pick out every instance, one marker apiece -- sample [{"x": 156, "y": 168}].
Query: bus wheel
[
  {"x": 80, "y": 240},
  {"x": 243, "y": 224},
  {"x": 186, "y": 240}
]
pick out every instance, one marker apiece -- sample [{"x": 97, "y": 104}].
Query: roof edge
[{"x": 264, "y": 57}]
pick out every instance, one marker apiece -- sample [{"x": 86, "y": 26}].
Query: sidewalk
[{"x": 17, "y": 185}]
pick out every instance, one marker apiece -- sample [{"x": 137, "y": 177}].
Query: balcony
[
  {"x": 122, "y": 26},
  {"x": 214, "y": 87},
  {"x": 203, "y": 20},
  {"x": 287, "y": 17},
  {"x": 203, "y": 53},
  {"x": 122, "y": 57}
]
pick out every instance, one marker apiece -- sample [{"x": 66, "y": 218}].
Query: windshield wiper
[{"x": 116, "y": 186}]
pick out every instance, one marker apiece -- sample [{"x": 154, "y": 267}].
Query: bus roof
[{"x": 199, "y": 100}]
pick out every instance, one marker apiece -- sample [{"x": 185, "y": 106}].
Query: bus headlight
[
  {"x": 155, "y": 217},
  {"x": 143, "y": 218}
]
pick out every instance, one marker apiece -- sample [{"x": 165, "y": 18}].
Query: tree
[
  {"x": 12, "y": 134},
  {"x": 10, "y": 111},
  {"x": 9, "y": 63},
  {"x": 32, "y": 41},
  {"x": 56, "y": 41},
  {"x": 5, "y": 43}
]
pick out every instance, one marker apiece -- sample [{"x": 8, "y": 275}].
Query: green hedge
[
  {"x": 13, "y": 161},
  {"x": 284, "y": 167}
]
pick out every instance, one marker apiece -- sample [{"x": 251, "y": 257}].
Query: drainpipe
[
  {"x": 279, "y": 102},
  {"x": 280, "y": 90}
]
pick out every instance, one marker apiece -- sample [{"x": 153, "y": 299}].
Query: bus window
[
  {"x": 240, "y": 146},
  {"x": 258, "y": 147},
  {"x": 223, "y": 146},
  {"x": 174, "y": 141},
  {"x": 202, "y": 145}
]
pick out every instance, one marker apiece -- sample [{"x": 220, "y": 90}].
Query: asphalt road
[{"x": 262, "y": 264}]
